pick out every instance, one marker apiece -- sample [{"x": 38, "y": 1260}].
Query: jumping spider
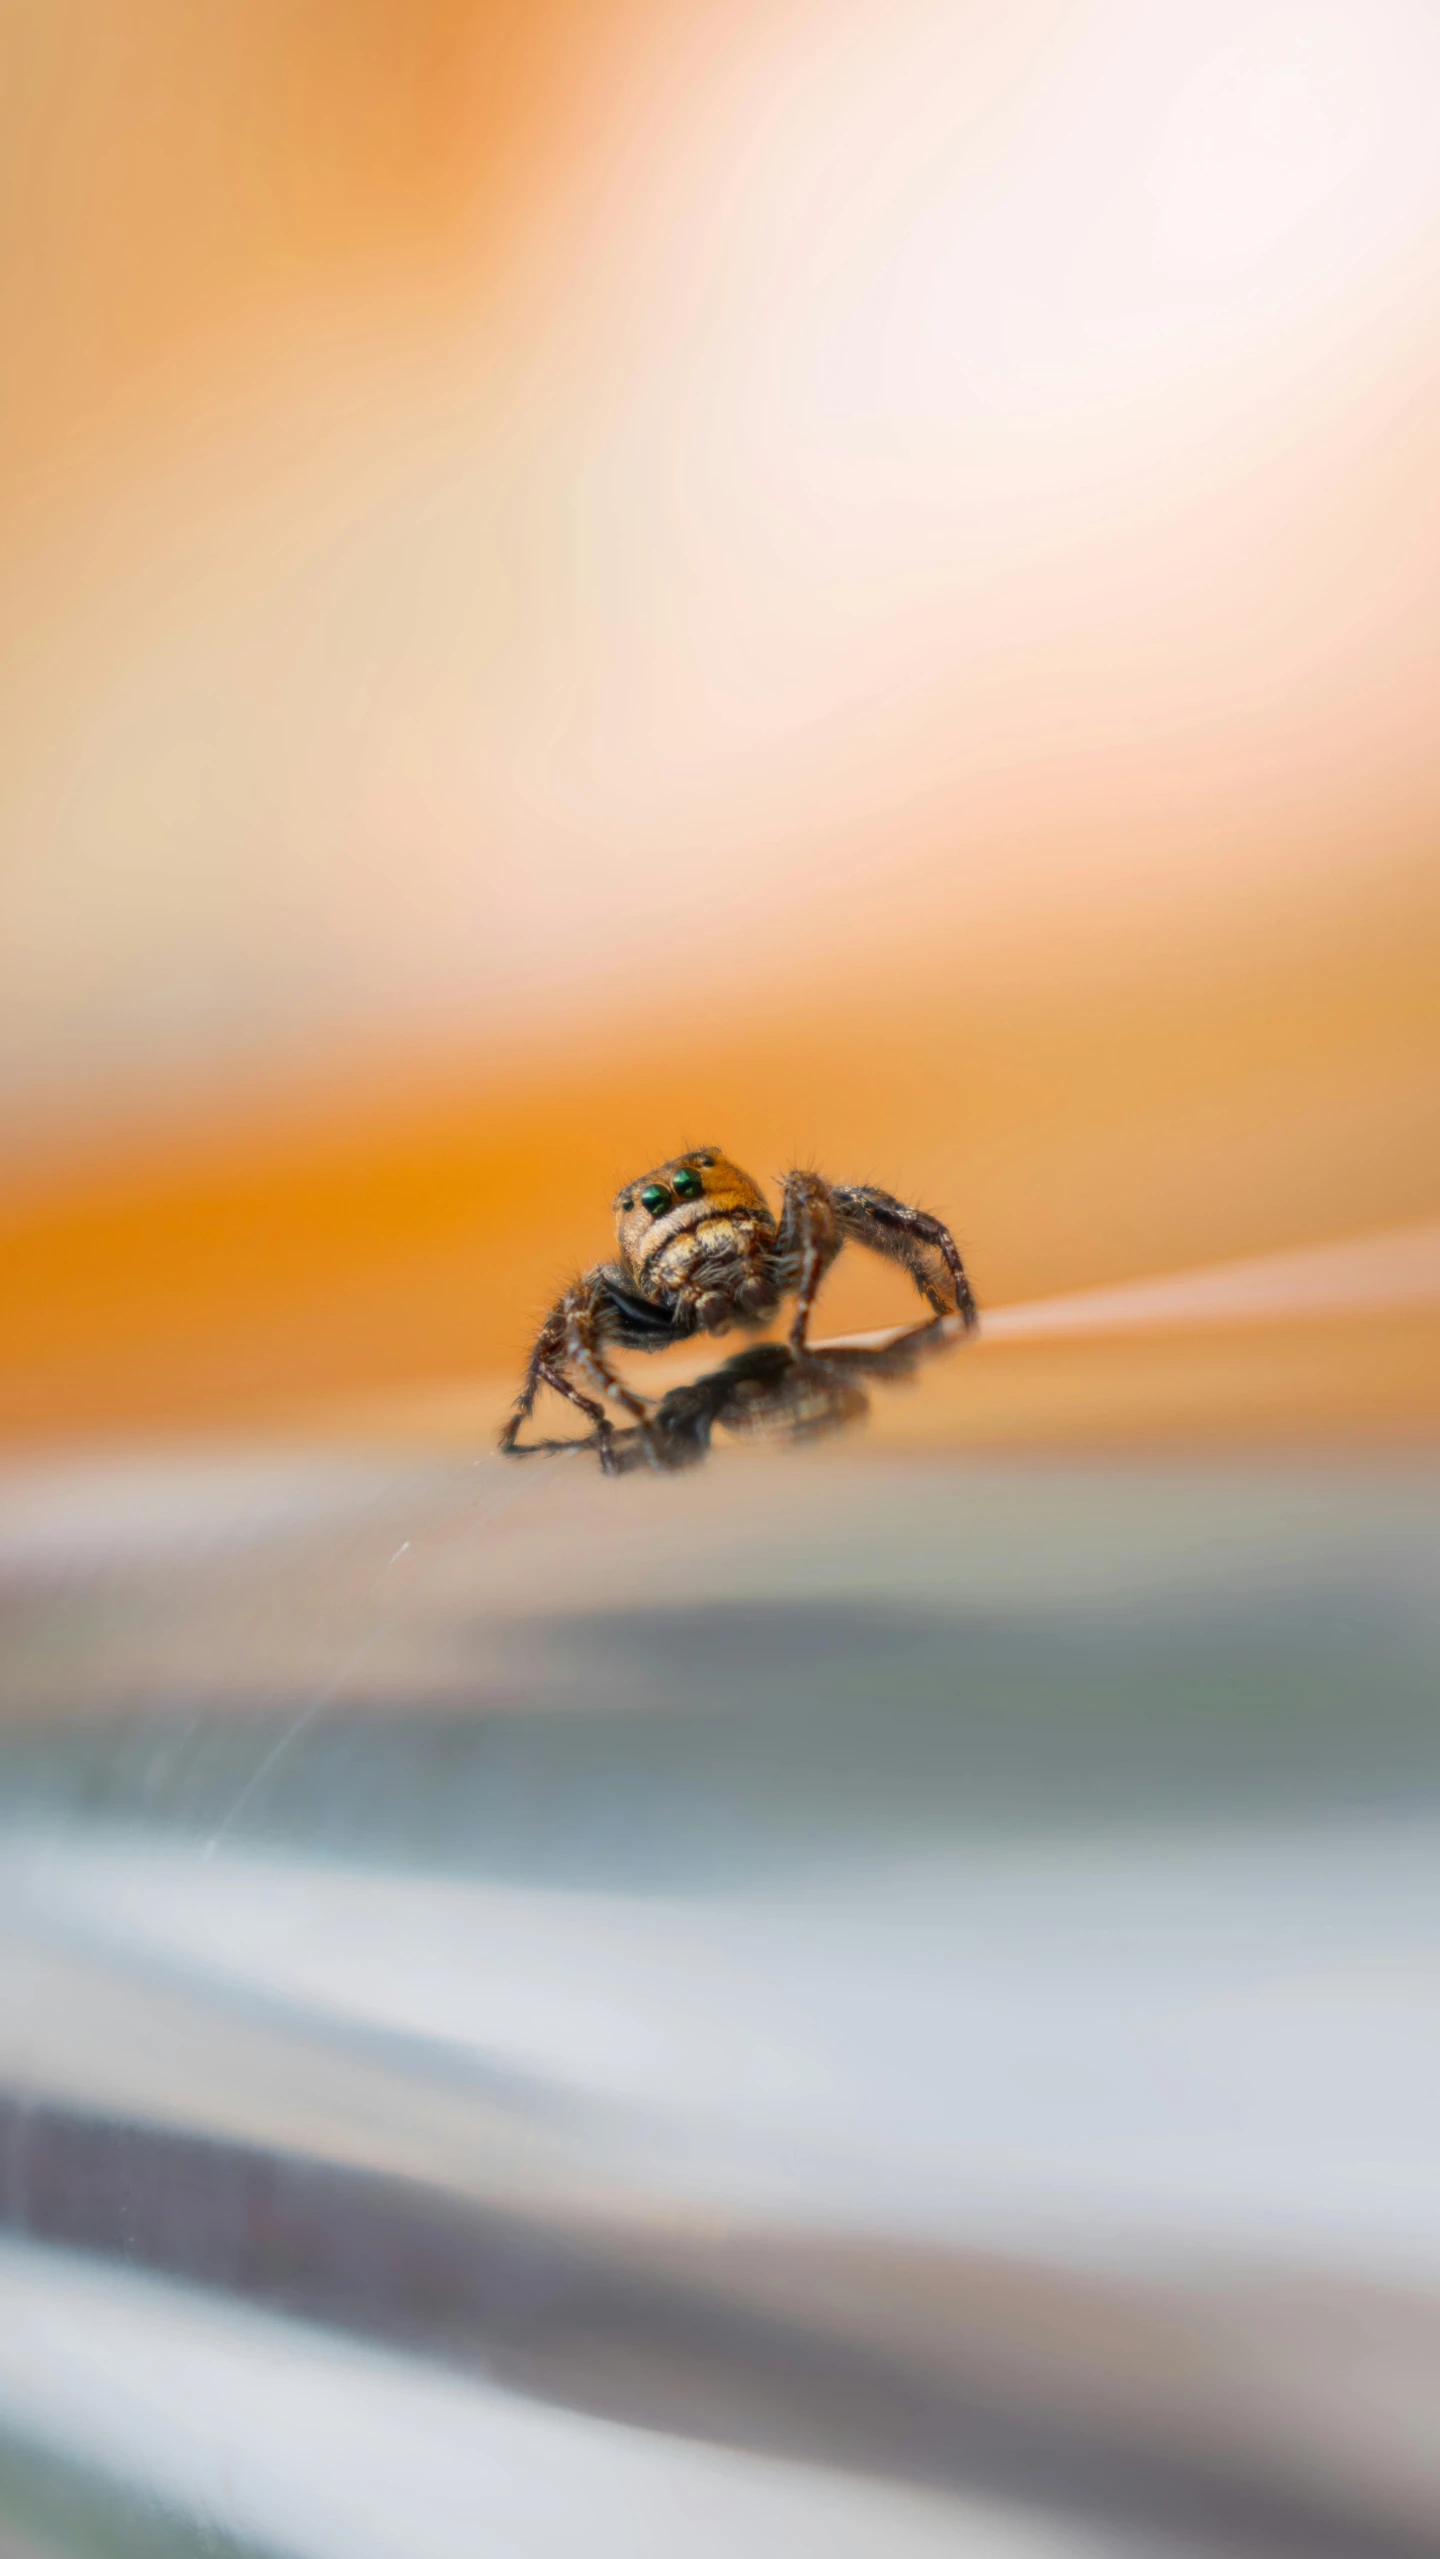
[{"x": 701, "y": 1251}]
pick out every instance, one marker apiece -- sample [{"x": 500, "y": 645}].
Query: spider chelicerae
[{"x": 702, "y": 1251}]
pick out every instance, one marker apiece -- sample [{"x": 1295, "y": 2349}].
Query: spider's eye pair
[{"x": 687, "y": 1185}]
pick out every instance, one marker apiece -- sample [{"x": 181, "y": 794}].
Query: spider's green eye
[
  {"x": 688, "y": 1185},
  {"x": 654, "y": 1197}
]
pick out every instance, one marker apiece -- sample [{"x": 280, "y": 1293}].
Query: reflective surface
[
  {"x": 770, "y": 1392},
  {"x": 822, "y": 2005}
]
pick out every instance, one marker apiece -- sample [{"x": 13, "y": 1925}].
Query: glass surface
[{"x": 822, "y": 2005}]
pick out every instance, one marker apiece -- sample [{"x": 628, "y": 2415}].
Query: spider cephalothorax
[
  {"x": 701, "y": 1250},
  {"x": 697, "y": 1240}
]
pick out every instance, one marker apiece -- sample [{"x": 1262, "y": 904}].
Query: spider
[{"x": 702, "y": 1251}]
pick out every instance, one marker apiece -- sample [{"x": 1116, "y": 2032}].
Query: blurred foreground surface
[{"x": 849, "y": 2004}]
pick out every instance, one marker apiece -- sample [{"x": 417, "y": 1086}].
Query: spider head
[{"x": 697, "y": 1189}]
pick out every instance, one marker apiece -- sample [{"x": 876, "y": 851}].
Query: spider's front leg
[
  {"x": 808, "y": 1242},
  {"x": 819, "y": 1217},
  {"x": 570, "y": 1339},
  {"x": 911, "y": 1236}
]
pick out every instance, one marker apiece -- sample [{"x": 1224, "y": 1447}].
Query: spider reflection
[{"x": 769, "y": 1391}]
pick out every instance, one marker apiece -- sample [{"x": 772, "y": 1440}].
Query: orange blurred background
[{"x": 860, "y": 582}]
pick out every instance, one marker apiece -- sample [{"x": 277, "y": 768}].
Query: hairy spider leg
[
  {"x": 570, "y": 1338},
  {"x": 887, "y": 1225},
  {"x": 819, "y": 1217},
  {"x": 809, "y": 1240},
  {"x": 543, "y": 1372}
]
